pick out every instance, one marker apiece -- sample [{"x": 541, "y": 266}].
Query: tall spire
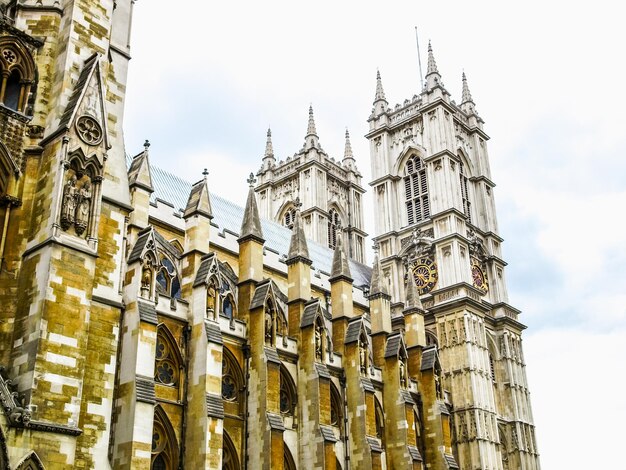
[
  {"x": 311, "y": 140},
  {"x": 432, "y": 65},
  {"x": 269, "y": 148},
  {"x": 467, "y": 96},
  {"x": 347, "y": 153},
  {"x": 380, "y": 93},
  {"x": 341, "y": 267},
  {"x": 311, "y": 127},
  {"x": 251, "y": 223},
  {"x": 298, "y": 248},
  {"x": 433, "y": 78}
]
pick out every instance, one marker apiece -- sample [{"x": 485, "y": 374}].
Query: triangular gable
[
  {"x": 268, "y": 289},
  {"x": 30, "y": 462},
  {"x": 209, "y": 267},
  {"x": 311, "y": 310},
  {"x": 145, "y": 243},
  {"x": 395, "y": 346},
  {"x": 88, "y": 98},
  {"x": 355, "y": 328},
  {"x": 430, "y": 359}
]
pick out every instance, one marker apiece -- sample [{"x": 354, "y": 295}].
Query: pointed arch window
[
  {"x": 230, "y": 460},
  {"x": 336, "y": 407},
  {"x": 17, "y": 74},
  {"x": 168, "y": 361},
  {"x": 464, "y": 181},
  {"x": 416, "y": 191},
  {"x": 232, "y": 384},
  {"x": 288, "y": 395},
  {"x": 289, "y": 217},
  {"x": 167, "y": 279},
  {"x": 334, "y": 228},
  {"x": 164, "y": 444}
]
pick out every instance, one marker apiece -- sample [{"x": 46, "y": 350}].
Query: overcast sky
[{"x": 208, "y": 78}]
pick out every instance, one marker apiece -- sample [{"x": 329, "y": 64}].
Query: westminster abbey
[{"x": 148, "y": 323}]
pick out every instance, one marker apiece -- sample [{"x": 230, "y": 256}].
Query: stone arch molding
[
  {"x": 30, "y": 462},
  {"x": 407, "y": 152}
]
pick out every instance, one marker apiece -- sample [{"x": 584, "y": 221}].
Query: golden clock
[
  {"x": 479, "y": 278},
  {"x": 425, "y": 274}
]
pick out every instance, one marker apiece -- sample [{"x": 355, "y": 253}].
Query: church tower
[
  {"x": 329, "y": 191},
  {"x": 64, "y": 202},
  {"x": 436, "y": 226}
]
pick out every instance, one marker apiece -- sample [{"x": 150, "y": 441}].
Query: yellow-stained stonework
[{"x": 141, "y": 332}]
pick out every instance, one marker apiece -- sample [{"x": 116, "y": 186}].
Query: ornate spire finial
[
  {"x": 251, "y": 223},
  {"x": 467, "y": 96},
  {"x": 205, "y": 173},
  {"x": 432, "y": 65},
  {"x": 297, "y": 203},
  {"x": 146, "y": 145},
  {"x": 347, "y": 154},
  {"x": 311, "y": 127},
  {"x": 269, "y": 148},
  {"x": 251, "y": 180},
  {"x": 380, "y": 93}
]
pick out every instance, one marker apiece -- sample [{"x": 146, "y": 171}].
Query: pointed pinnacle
[
  {"x": 311, "y": 127},
  {"x": 341, "y": 266},
  {"x": 467, "y": 96},
  {"x": 347, "y": 153},
  {"x": 269, "y": 148},
  {"x": 251, "y": 223},
  {"x": 432, "y": 65},
  {"x": 380, "y": 93},
  {"x": 377, "y": 285},
  {"x": 298, "y": 248},
  {"x": 412, "y": 300}
]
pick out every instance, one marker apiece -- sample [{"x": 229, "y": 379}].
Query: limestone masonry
[{"x": 147, "y": 323}]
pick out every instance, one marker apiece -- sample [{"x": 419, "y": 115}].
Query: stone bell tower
[
  {"x": 64, "y": 204},
  {"x": 435, "y": 224},
  {"x": 328, "y": 190}
]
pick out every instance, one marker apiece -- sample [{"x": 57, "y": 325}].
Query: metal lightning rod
[{"x": 419, "y": 59}]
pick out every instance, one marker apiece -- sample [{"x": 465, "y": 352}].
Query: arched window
[
  {"x": 288, "y": 395},
  {"x": 168, "y": 282},
  {"x": 336, "y": 408},
  {"x": 465, "y": 193},
  {"x": 334, "y": 228},
  {"x": 164, "y": 444},
  {"x": 416, "y": 190},
  {"x": 228, "y": 307},
  {"x": 380, "y": 421},
  {"x": 168, "y": 361},
  {"x": 288, "y": 462},
  {"x": 232, "y": 384},
  {"x": 8, "y": 170},
  {"x": 17, "y": 72},
  {"x": 431, "y": 339},
  {"x": 289, "y": 217},
  {"x": 230, "y": 460}
]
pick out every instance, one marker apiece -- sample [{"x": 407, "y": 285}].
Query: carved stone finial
[
  {"x": 251, "y": 180},
  {"x": 297, "y": 203},
  {"x": 205, "y": 173},
  {"x": 146, "y": 144}
]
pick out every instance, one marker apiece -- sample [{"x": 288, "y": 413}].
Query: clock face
[
  {"x": 479, "y": 279},
  {"x": 425, "y": 274}
]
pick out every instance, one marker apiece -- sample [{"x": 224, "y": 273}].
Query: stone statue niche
[{"x": 76, "y": 204}]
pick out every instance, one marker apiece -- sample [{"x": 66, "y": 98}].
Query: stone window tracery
[
  {"x": 464, "y": 181},
  {"x": 289, "y": 217},
  {"x": 167, "y": 279},
  {"x": 168, "y": 362},
  {"x": 17, "y": 71},
  {"x": 232, "y": 378},
  {"x": 416, "y": 190},
  {"x": 230, "y": 460},
  {"x": 164, "y": 445},
  {"x": 288, "y": 395},
  {"x": 336, "y": 407},
  {"x": 334, "y": 228}
]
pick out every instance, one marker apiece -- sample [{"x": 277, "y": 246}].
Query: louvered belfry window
[
  {"x": 334, "y": 223},
  {"x": 465, "y": 194},
  {"x": 416, "y": 191}
]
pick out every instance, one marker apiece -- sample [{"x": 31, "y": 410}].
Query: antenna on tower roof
[{"x": 419, "y": 59}]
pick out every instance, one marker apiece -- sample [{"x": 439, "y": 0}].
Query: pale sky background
[{"x": 207, "y": 78}]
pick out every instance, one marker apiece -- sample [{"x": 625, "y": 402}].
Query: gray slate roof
[
  {"x": 310, "y": 310},
  {"x": 213, "y": 332},
  {"x": 327, "y": 433},
  {"x": 415, "y": 453},
  {"x": 276, "y": 421},
  {"x": 147, "y": 312},
  {"x": 228, "y": 216},
  {"x": 144, "y": 387},
  {"x": 429, "y": 358},
  {"x": 394, "y": 343},
  {"x": 214, "y": 406}
]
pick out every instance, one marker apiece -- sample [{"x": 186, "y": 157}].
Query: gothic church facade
[{"x": 148, "y": 323}]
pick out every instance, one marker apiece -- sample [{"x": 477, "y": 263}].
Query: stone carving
[
  {"x": 269, "y": 325},
  {"x": 68, "y": 209},
  {"x": 402, "y": 368},
  {"x": 146, "y": 281},
  {"x": 318, "y": 342},
  {"x": 89, "y": 130},
  {"x": 362, "y": 356},
  {"x": 83, "y": 208}
]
